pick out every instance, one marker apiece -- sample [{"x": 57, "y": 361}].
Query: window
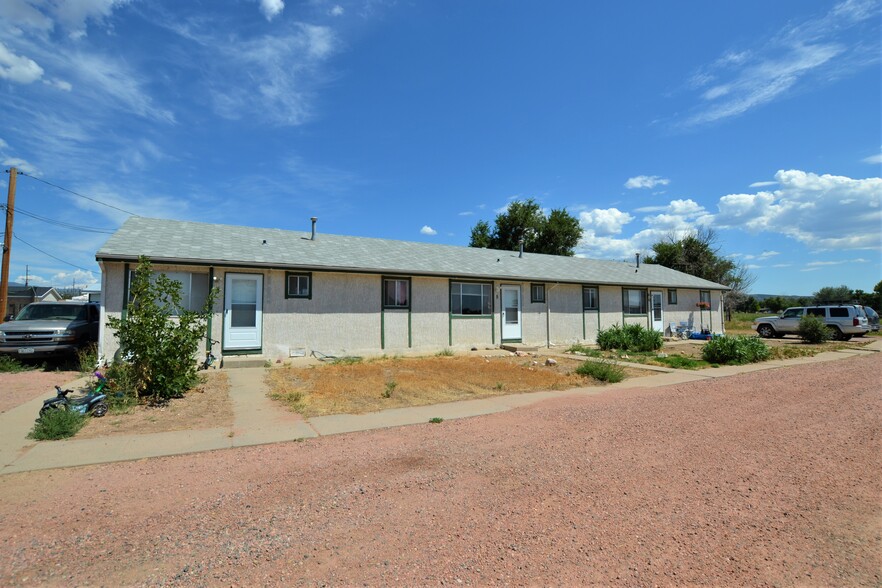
[
  {"x": 837, "y": 312},
  {"x": 396, "y": 292},
  {"x": 589, "y": 298},
  {"x": 704, "y": 297},
  {"x": 633, "y": 301},
  {"x": 672, "y": 297},
  {"x": 298, "y": 285},
  {"x": 472, "y": 299},
  {"x": 793, "y": 313},
  {"x": 194, "y": 287},
  {"x": 537, "y": 292}
]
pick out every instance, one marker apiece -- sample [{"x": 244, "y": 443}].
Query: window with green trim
[
  {"x": 672, "y": 297},
  {"x": 298, "y": 285},
  {"x": 396, "y": 292},
  {"x": 537, "y": 292},
  {"x": 471, "y": 299},
  {"x": 633, "y": 301},
  {"x": 590, "y": 300}
]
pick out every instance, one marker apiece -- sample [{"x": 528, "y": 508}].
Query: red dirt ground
[{"x": 768, "y": 478}]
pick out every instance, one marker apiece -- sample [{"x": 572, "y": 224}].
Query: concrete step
[{"x": 243, "y": 361}]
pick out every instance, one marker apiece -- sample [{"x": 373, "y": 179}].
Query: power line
[
  {"x": 49, "y": 254},
  {"x": 21, "y": 173},
  {"x": 59, "y": 223}
]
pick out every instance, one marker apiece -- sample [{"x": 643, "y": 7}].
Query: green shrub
[
  {"x": 121, "y": 387},
  {"x": 735, "y": 350},
  {"x": 681, "y": 363},
  {"x": 57, "y": 424},
  {"x": 604, "y": 371},
  {"x": 629, "y": 338},
  {"x": 160, "y": 335},
  {"x": 436, "y": 420},
  {"x": 584, "y": 350},
  {"x": 87, "y": 358},
  {"x": 446, "y": 352},
  {"x": 812, "y": 329},
  {"x": 10, "y": 365},
  {"x": 390, "y": 388}
]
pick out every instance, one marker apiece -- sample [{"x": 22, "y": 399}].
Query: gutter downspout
[{"x": 548, "y": 315}]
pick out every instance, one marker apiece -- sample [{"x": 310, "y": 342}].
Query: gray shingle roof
[{"x": 225, "y": 245}]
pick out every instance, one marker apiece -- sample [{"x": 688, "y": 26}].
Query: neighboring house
[
  {"x": 284, "y": 293},
  {"x": 21, "y": 295}
]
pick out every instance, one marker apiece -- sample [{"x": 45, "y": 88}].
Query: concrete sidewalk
[{"x": 258, "y": 420}]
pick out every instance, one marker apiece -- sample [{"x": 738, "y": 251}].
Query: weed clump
[
  {"x": 736, "y": 350},
  {"x": 10, "y": 365},
  {"x": 603, "y": 371},
  {"x": 57, "y": 424}
]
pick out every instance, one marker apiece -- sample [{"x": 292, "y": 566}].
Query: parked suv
[
  {"x": 43, "y": 329},
  {"x": 844, "y": 321}
]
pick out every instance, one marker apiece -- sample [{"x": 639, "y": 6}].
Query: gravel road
[{"x": 769, "y": 478}]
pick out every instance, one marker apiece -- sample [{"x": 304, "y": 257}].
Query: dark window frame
[
  {"x": 672, "y": 296},
  {"x": 626, "y": 304},
  {"x": 491, "y": 296},
  {"x": 536, "y": 299},
  {"x": 596, "y": 298},
  {"x": 386, "y": 306},
  {"x": 308, "y": 276}
]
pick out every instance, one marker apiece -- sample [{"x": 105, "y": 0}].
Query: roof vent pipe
[
  {"x": 521, "y": 243},
  {"x": 638, "y": 260},
  {"x": 313, "y": 219}
]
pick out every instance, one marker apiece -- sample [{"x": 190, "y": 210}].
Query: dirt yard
[
  {"x": 18, "y": 388},
  {"x": 206, "y": 406},
  {"x": 392, "y": 383},
  {"x": 767, "y": 478}
]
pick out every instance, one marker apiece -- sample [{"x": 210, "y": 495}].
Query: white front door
[
  {"x": 243, "y": 305},
  {"x": 511, "y": 313},
  {"x": 657, "y": 315}
]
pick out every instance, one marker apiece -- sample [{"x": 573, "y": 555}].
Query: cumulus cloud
[
  {"x": 877, "y": 159},
  {"x": 604, "y": 222},
  {"x": 18, "y": 68},
  {"x": 21, "y": 165},
  {"x": 822, "y": 211},
  {"x": 271, "y": 8},
  {"x": 336, "y": 10},
  {"x": 427, "y": 230},
  {"x": 646, "y": 182}
]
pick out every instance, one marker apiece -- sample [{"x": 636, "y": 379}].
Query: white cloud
[
  {"x": 21, "y": 165},
  {"x": 838, "y": 262},
  {"x": 814, "y": 51},
  {"x": 60, "y": 84},
  {"x": 877, "y": 159},
  {"x": 73, "y": 14},
  {"x": 271, "y": 8},
  {"x": 3, "y": 144},
  {"x": 822, "y": 211},
  {"x": 427, "y": 230},
  {"x": 646, "y": 182},
  {"x": 336, "y": 10},
  {"x": 763, "y": 184},
  {"x": 604, "y": 222},
  {"x": 18, "y": 68},
  {"x": 466, "y": 213}
]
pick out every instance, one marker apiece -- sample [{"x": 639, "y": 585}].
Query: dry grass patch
[
  {"x": 395, "y": 383},
  {"x": 207, "y": 406}
]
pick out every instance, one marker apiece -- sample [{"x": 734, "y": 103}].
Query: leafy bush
[
  {"x": 160, "y": 336},
  {"x": 121, "y": 388},
  {"x": 10, "y": 365},
  {"x": 735, "y": 350},
  {"x": 57, "y": 424},
  {"x": 87, "y": 358},
  {"x": 812, "y": 329},
  {"x": 681, "y": 363},
  {"x": 629, "y": 338},
  {"x": 604, "y": 371}
]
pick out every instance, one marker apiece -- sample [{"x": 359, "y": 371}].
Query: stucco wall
[{"x": 344, "y": 314}]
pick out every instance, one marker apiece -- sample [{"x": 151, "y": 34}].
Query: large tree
[
  {"x": 698, "y": 254},
  {"x": 833, "y": 295},
  {"x": 557, "y": 233}
]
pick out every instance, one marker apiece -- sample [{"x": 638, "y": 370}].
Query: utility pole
[{"x": 7, "y": 245}]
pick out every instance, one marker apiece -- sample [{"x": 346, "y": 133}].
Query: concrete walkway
[{"x": 258, "y": 420}]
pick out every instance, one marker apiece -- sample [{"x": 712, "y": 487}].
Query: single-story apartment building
[
  {"x": 20, "y": 295},
  {"x": 285, "y": 293}
]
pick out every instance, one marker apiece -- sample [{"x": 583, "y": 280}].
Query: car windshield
[{"x": 48, "y": 312}]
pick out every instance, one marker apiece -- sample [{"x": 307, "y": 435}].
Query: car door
[{"x": 789, "y": 321}]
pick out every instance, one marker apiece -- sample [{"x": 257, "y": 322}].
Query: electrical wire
[
  {"x": 49, "y": 254},
  {"x": 21, "y": 173},
  {"x": 59, "y": 223}
]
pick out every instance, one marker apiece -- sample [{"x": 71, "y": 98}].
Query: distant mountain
[{"x": 761, "y": 297}]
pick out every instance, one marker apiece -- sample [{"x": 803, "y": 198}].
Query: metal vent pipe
[{"x": 313, "y": 219}]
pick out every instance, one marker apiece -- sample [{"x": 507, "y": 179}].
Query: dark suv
[{"x": 44, "y": 329}]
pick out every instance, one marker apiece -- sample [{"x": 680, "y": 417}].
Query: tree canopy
[
  {"x": 699, "y": 255},
  {"x": 557, "y": 233}
]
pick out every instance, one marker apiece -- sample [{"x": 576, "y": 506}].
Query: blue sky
[{"x": 414, "y": 120}]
